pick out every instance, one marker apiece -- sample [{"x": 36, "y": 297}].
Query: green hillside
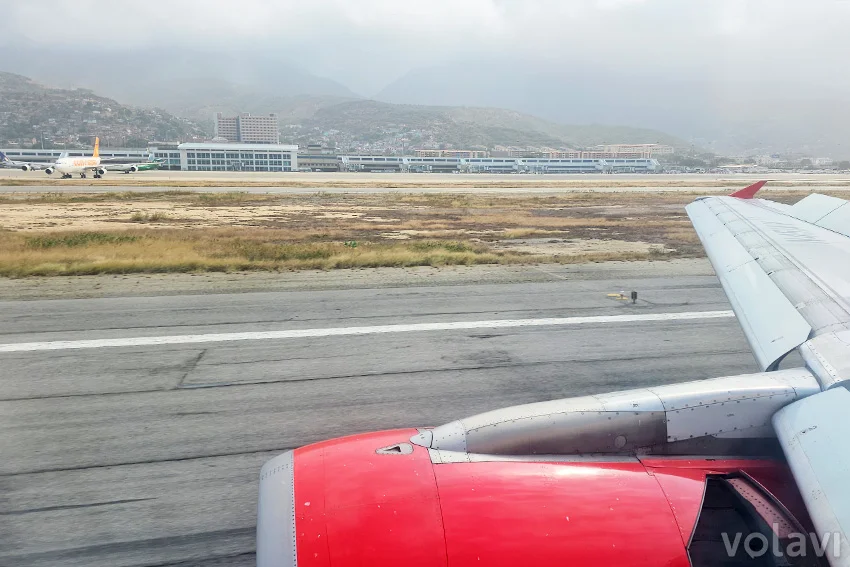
[{"x": 70, "y": 118}]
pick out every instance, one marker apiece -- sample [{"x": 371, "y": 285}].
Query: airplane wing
[
  {"x": 786, "y": 271},
  {"x": 131, "y": 167},
  {"x": 117, "y": 166},
  {"x": 31, "y": 165}
]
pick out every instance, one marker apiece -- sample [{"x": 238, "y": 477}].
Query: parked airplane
[
  {"x": 735, "y": 470},
  {"x": 67, "y": 166},
  {"x": 5, "y": 162}
]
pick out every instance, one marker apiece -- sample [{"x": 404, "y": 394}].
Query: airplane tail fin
[
  {"x": 750, "y": 191},
  {"x": 3, "y": 157},
  {"x": 96, "y": 148}
]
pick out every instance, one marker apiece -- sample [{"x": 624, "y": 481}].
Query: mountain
[
  {"x": 137, "y": 75},
  {"x": 29, "y": 110},
  {"x": 383, "y": 125},
  {"x": 784, "y": 115},
  {"x": 187, "y": 83},
  {"x": 192, "y": 84},
  {"x": 200, "y": 99}
]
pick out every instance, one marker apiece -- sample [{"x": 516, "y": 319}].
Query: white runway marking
[{"x": 335, "y": 331}]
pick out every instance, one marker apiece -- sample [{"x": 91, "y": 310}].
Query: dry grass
[
  {"x": 512, "y": 233},
  {"x": 78, "y": 253},
  {"x": 143, "y": 217},
  {"x": 182, "y": 231},
  {"x": 435, "y": 201}
]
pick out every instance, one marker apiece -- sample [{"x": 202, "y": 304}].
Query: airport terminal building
[
  {"x": 497, "y": 165},
  {"x": 114, "y": 155},
  {"x": 211, "y": 156},
  {"x": 214, "y": 156}
]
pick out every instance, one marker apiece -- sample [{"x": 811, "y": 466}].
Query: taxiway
[{"x": 135, "y": 453}]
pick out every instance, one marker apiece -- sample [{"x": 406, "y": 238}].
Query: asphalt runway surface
[
  {"x": 345, "y": 182},
  {"x": 131, "y": 453}
]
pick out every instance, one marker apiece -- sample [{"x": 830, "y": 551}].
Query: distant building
[
  {"x": 114, "y": 155},
  {"x": 226, "y": 127},
  {"x": 320, "y": 149},
  {"x": 247, "y": 129},
  {"x": 318, "y": 162},
  {"x": 467, "y": 154},
  {"x": 494, "y": 164},
  {"x": 564, "y": 154},
  {"x": 822, "y": 161},
  {"x": 167, "y": 153},
  {"x": 209, "y": 156},
  {"x": 598, "y": 154},
  {"x": 643, "y": 150},
  {"x": 519, "y": 152},
  {"x": 595, "y": 154}
]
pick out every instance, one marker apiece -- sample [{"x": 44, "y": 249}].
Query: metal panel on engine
[
  {"x": 815, "y": 435},
  {"x": 638, "y": 421}
]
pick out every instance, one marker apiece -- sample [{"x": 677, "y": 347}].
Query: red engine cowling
[{"x": 378, "y": 500}]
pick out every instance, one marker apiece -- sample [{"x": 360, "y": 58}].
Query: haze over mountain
[
  {"x": 465, "y": 127},
  {"x": 754, "y": 76},
  {"x": 29, "y": 109},
  {"x": 154, "y": 76},
  {"x": 741, "y": 116}
]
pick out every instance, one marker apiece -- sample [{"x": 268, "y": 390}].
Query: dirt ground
[
  {"x": 176, "y": 231},
  {"x": 459, "y": 182},
  {"x": 569, "y": 224}
]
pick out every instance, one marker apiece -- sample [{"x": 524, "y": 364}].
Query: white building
[
  {"x": 210, "y": 156},
  {"x": 248, "y": 129},
  {"x": 114, "y": 155},
  {"x": 497, "y": 164},
  {"x": 643, "y": 150}
]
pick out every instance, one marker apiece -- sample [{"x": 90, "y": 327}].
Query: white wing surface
[{"x": 786, "y": 271}]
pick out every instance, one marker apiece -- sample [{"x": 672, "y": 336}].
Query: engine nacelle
[
  {"x": 26, "y": 168},
  {"x": 101, "y": 171},
  {"x": 49, "y": 171},
  {"x": 133, "y": 169}
]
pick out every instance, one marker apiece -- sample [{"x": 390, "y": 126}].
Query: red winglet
[{"x": 749, "y": 192}]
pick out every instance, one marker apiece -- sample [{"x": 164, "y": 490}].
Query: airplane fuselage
[{"x": 76, "y": 164}]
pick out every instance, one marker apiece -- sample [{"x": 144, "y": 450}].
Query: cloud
[{"x": 368, "y": 43}]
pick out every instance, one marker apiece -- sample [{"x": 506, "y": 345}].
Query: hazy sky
[{"x": 334, "y": 38}]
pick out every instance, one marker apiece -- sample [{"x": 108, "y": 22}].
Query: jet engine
[
  {"x": 132, "y": 169},
  {"x": 101, "y": 171},
  {"x": 49, "y": 171},
  {"x": 26, "y": 167}
]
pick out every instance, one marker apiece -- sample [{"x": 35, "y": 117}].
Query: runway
[
  {"x": 371, "y": 183},
  {"x": 146, "y": 452}
]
